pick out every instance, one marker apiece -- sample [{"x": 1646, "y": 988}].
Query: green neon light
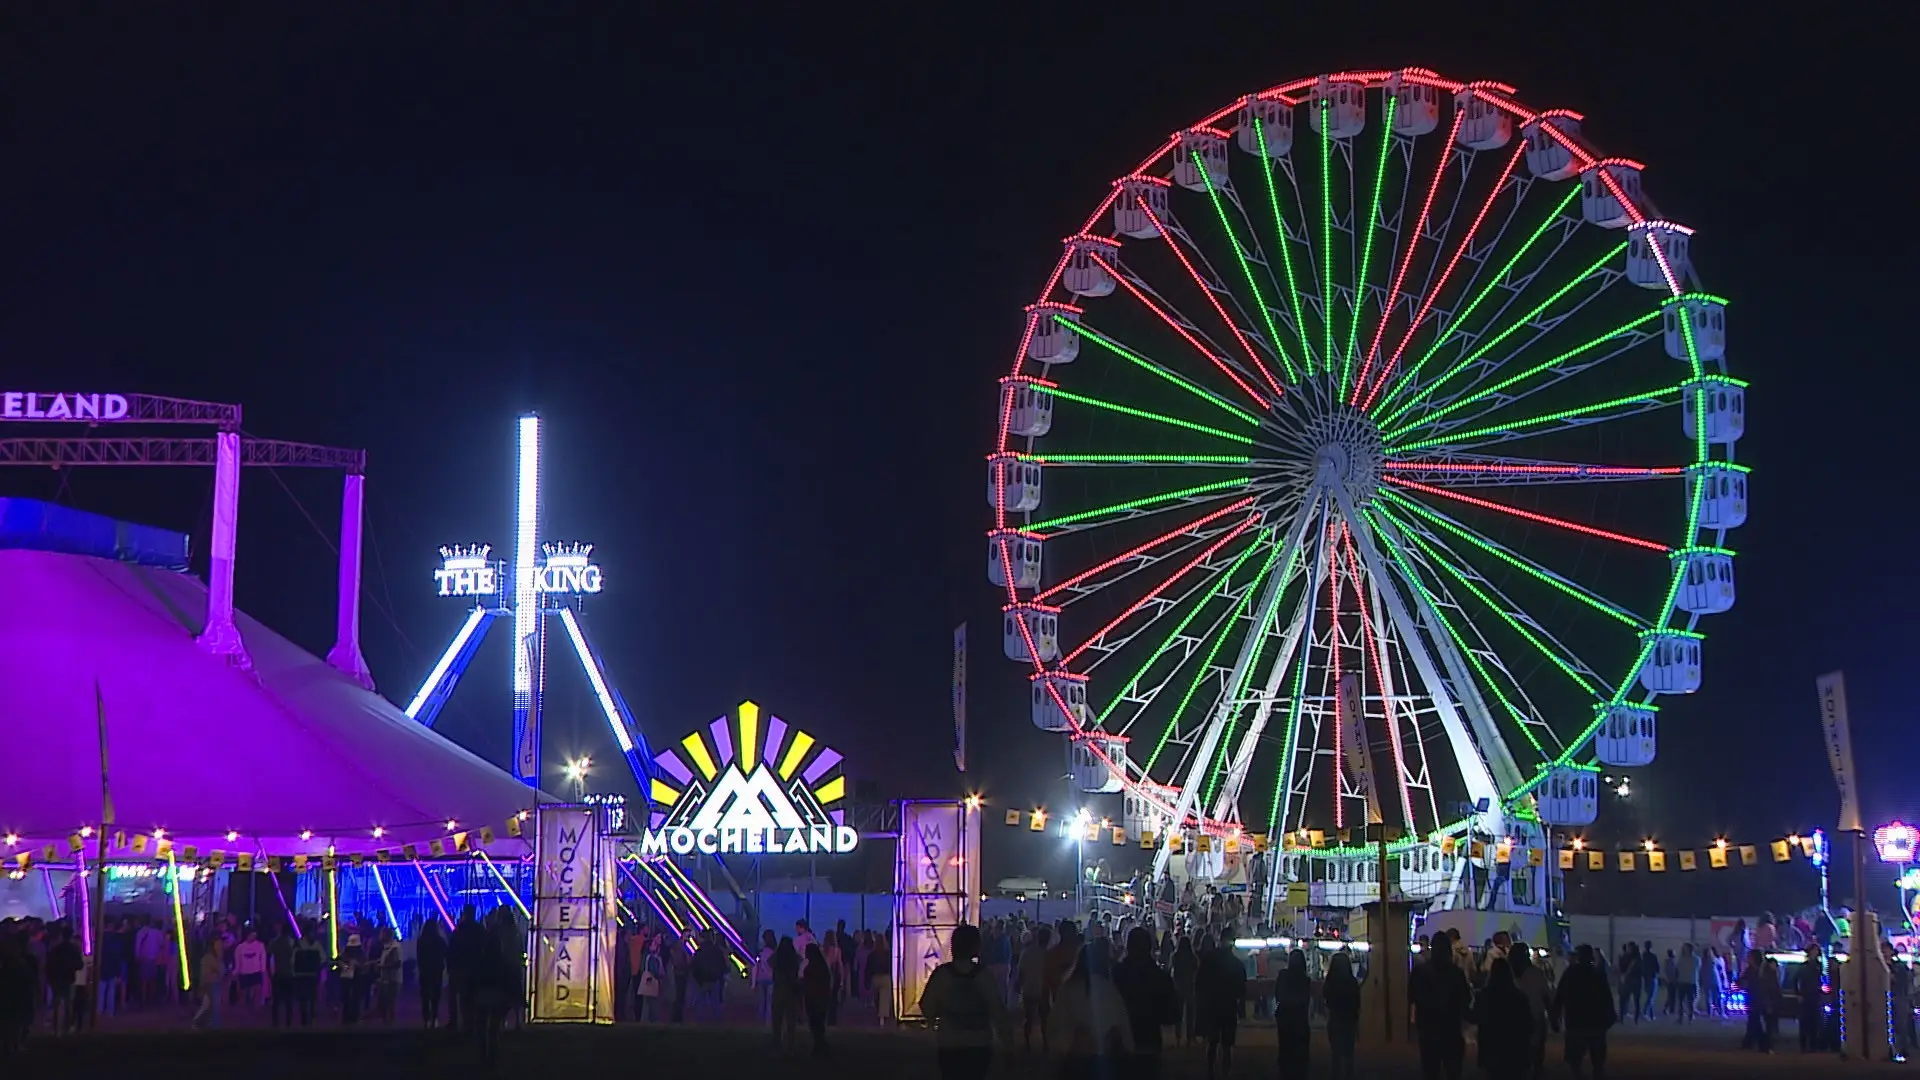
[
  {"x": 1217, "y": 587},
  {"x": 1145, "y": 459},
  {"x": 1287, "y": 748},
  {"x": 1518, "y": 626},
  {"x": 1219, "y": 640},
  {"x": 1517, "y": 326},
  {"x": 1273, "y": 333},
  {"x": 1652, "y": 396},
  {"x": 1143, "y": 414},
  {"x": 1122, "y": 351},
  {"x": 1545, "y": 365},
  {"x": 1366, "y": 251},
  {"x": 1135, "y": 504},
  {"x": 1253, "y": 664},
  {"x": 1510, "y": 559},
  {"x": 1460, "y": 319},
  {"x": 1286, "y": 248},
  {"x": 1460, "y": 643},
  {"x": 1326, "y": 200}
]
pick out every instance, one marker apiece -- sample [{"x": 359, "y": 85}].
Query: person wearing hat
[{"x": 349, "y": 969}]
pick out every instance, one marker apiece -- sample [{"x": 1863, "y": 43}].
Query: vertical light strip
[
  {"x": 526, "y": 603},
  {"x": 179, "y": 922},
  {"x": 597, "y": 680},
  {"x": 387, "y": 902},
  {"x": 440, "y": 669}
]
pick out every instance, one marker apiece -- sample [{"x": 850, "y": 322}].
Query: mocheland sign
[
  {"x": 751, "y": 785},
  {"x": 21, "y": 405}
]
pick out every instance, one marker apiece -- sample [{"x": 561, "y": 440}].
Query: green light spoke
[
  {"x": 1134, "y": 459},
  {"x": 1233, "y": 717},
  {"x": 1143, "y": 414},
  {"x": 1518, "y": 325},
  {"x": 1220, "y": 486},
  {"x": 1459, "y": 320},
  {"x": 1658, "y": 397},
  {"x": 1287, "y": 748},
  {"x": 1286, "y": 248},
  {"x": 1326, "y": 207},
  {"x": 1128, "y": 354},
  {"x": 1434, "y": 557},
  {"x": 1460, "y": 643},
  {"x": 1273, "y": 332},
  {"x": 1603, "y": 606},
  {"x": 1216, "y": 589},
  {"x": 1545, "y": 365},
  {"x": 1226, "y": 628},
  {"x": 1600, "y": 717},
  {"x": 1366, "y": 256}
]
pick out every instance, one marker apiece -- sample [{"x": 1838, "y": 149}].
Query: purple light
[
  {"x": 670, "y": 761},
  {"x": 722, "y": 740},
  {"x": 826, "y": 759},
  {"x": 776, "y": 735},
  {"x": 1896, "y": 841}
]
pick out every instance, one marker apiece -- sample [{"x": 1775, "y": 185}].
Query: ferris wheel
[{"x": 1367, "y": 455}]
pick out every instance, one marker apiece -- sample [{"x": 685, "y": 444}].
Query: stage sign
[
  {"x": 936, "y": 888},
  {"x": 467, "y": 570},
  {"x": 572, "y": 942},
  {"x": 85, "y": 408},
  {"x": 748, "y": 787}
]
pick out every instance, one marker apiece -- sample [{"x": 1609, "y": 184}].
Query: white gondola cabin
[
  {"x": 1673, "y": 662},
  {"x": 1071, "y": 688},
  {"x": 1013, "y": 484},
  {"x": 1015, "y": 550},
  {"x": 1706, "y": 580},
  {"x": 1484, "y": 125},
  {"x": 1140, "y": 207},
  {"x": 1550, "y": 158},
  {"x": 1041, "y": 624},
  {"x": 1265, "y": 124},
  {"x": 1051, "y": 337},
  {"x": 1085, "y": 274},
  {"x": 1653, "y": 249},
  {"x": 1723, "y": 401},
  {"x": 1337, "y": 109},
  {"x": 1626, "y": 736},
  {"x": 1028, "y": 406},
  {"x": 1569, "y": 795},
  {"x": 1146, "y": 806},
  {"x": 1723, "y": 494},
  {"x": 1202, "y": 161},
  {"x": 1416, "y": 102},
  {"x": 1603, "y": 187},
  {"x": 1705, "y": 316},
  {"x": 1098, "y": 762}
]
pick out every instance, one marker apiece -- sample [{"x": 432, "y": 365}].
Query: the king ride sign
[{"x": 747, "y": 813}]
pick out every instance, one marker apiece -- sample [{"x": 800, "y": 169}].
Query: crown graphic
[
  {"x": 570, "y": 554},
  {"x": 465, "y": 556}
]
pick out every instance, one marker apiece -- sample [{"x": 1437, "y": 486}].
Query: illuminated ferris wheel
[{"x": 1369, "y": 451}]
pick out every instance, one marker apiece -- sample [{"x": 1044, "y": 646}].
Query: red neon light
[
  {"x": 1162, "y": 587},
  {"x": 1529, "y": 515},
  {"x": 1178, "y": 329},
  {"x": 1211, "y": 299},
  {"x": 1434, "y": 293},
  {"x": 1413, "y": 243},
  {"x": 1379, "y": 676},
  {"x": 1138, "y": 548},
  {"x": 1535, "y": 470}
]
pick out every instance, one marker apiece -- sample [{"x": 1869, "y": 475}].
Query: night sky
[{"x": 759, "y": 272}]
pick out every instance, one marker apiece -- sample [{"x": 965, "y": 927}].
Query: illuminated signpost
[
  {"x": 572, "y": 941},
  {"x": 544, "y": 581},
  {"x": 936, "y": 888},
  {"x": 749, "y": 788}
]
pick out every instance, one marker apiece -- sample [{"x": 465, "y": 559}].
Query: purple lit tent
[{"x": 199, "y": 748}]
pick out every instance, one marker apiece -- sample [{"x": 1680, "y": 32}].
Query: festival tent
[{"x": 199, "y": 748}]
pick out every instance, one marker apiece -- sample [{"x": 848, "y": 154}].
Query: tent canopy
[{"x": 198, "y": 747}]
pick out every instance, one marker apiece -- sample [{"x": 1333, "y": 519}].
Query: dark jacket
[
  {"x": 1152, "y": 1002},
  {"x": 1583, "y": 1002}
]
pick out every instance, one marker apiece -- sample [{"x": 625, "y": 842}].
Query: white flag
[
  {"x": 1353, "y": 739},
  {"x": 960, "y": 697},
  {"x": 1833, "y": 723}
]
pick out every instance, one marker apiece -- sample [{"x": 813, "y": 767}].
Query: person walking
[
  {"x": 430, "y": 959},
  {"x": 1035, "y": 1003},
  {"x": 1341, "y": 992},
  {"x": 788, "y": 995},
  {"x": 1811, "y": 981},
  {"x": 307, "y": 962},
  {"x": 816, "y": 988},
  {"x": 1442, "y": 999},
  {"x": 1583, "y": 1009},
  {"x": 1686, "y": 987},
  {"x": 1530, "y": 976},
  {"x": 1505, "y": 1019},
  {"x": 962, "y": 1001},
  {"x": 1292, "y": 1008},
  {"x": 1152, "y": 1002},
  {"x": 1221, "y": 987},
  {"x": 212, "y": 983},
  {"x": 1089, "y": 1026}
]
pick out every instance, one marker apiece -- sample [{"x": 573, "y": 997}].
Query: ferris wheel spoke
[
  {"x": 1061, "y": 394},
  {"x": 1177, "y": 643},
  {"x": 1374, "y": 647},
  {"x": 1285, "y": 237},
  {"x": 1145, "y": 506},
  {"x": 1516, "y": 617},
  {"x": 1142, "y": 460},
  {"x": 1482, "y": 470},
  {"x": 1138, "y": 288},
  {"x": 1099, "y": 638},
  {"x": 1374, "y": 225},
  {"x": 1292, "y": 645},
  {"x": 1624, "y": 338},
  {"x": 1451, "y": 330},
  {"x": 1478, "y": 361},
  {"x": 1406, "y": 258},
  {"x": 1108, "y": 343},
  {"x": 1274, "y": 338},
  {"x": 1212, "y": 290},
  {"x": 1529, "y": 515},
  {"x": 1520, "y": 562},
  {"x": 1097, "y": 577},
  {"x": 1559, "y": 420},
  {"x": 1431, "y": 292}
]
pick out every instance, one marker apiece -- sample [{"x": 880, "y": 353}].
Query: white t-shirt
[
  {"x": 800, "y": 942},
  {"x": 250, "y": 958}
]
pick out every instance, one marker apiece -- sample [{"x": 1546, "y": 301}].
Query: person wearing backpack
[{"x": 965, "y": 1008}]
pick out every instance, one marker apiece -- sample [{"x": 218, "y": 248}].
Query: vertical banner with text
[
  {"x": 936, "y": 888},
  {"x": 960, "y": 697},
  {"x": 571, "y": 945},
  {"x": 1839, "y": 738}
]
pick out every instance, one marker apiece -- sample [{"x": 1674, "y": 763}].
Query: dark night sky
[{"x": 760, "y": 272}]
